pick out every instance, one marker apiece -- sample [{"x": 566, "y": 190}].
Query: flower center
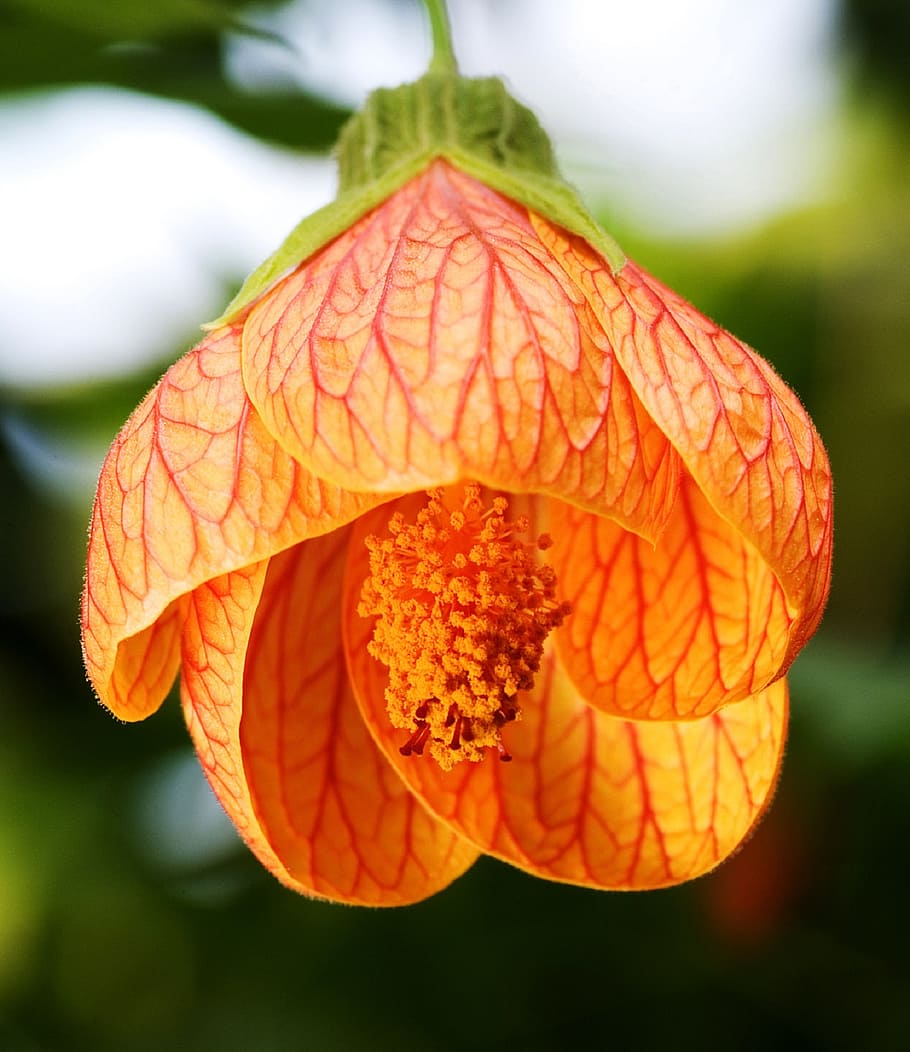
[{"x": 462, "y": 611}]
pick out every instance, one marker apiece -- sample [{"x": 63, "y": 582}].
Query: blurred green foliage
[
  {"x": 108, "y": 942},
  {"x": 877, "y": 34},
  {"x": 170, "y": 48}
]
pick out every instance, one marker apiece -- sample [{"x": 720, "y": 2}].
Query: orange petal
[
  {"x": 437, "y": 340},
  {"x": 588, "y": 798},
  {"x": 194, "y": 486},
  {"x": 672, "y": 630},
  {"x": 215, "y": 635},
  {"x": 269, "y": 707},
  {"x": 740, "y": 431}
]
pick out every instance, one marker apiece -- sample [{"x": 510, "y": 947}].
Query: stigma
[{"x": 462, "y": 609}]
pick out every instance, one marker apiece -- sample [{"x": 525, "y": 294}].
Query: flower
[{"x": 458, "y": 488}]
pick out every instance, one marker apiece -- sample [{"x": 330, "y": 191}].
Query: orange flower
[{"x": 359, "y": 656}]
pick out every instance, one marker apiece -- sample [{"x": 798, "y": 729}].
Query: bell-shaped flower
[{"x": 466, "y": 535}]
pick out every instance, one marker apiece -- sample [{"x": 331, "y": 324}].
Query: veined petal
[
  {"x": 437, "y": 340},
  {"x": 271, "y": 713},
  {"x": 194, "y": 486},
  {"x": 213, "y": 638},
  {"x": 667, "y": 631},
  {"x": 588, "y": 798},
  {"x": 741, "y": 432}
]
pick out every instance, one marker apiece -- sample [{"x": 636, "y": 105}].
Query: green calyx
[
  {"x": 441, "y": 115},
  {"x": 475, "y": 125}
]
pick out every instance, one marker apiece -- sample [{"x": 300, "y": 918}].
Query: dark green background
[{"x": 801, "y": 941}]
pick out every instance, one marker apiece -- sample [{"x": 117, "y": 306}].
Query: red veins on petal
[
  {"x": 437, "y": 340},
  {"x": 672, "y": 630},
  {"x": 275, "y": 725},
  {"x": 194, "y": 486},
  {"x": 741, "y": 432},
  {"x": 591, "y": 799},
  {"x": 214, "y": 638},
  {"x": 342, "y": 821}
]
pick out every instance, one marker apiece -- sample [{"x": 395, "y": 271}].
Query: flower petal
[
  {"x": 274, "y": 721},
  {"x": 193, "y": 486},
  {"x": 588, "y": 798},
  {"x": 741, "y": 432},
  {"x": 437, "y": 340},
  {"x": 214, "y": 638},
  {"x": 672, "y": 630}
]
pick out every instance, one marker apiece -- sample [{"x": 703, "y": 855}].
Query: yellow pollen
[{"x": 462, "y": 611}]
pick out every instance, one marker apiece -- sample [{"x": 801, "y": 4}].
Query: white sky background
[{"x": 121, "y": 216}]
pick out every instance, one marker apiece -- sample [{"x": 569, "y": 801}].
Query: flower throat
[{"x": 463, "y": 610}]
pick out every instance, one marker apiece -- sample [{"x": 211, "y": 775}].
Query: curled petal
[
  {"x": 667, "y": 631},
  {"x": 146, "y": 664},
  {"x": 436, "y": 340},
  {"x": 194, "y": 486},
  {"x": 279, "y": 735},
  {"x": 741, "y": 432},
  {"x": 590, "y": 799}
]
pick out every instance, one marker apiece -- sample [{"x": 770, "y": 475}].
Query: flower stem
[{"x": 443, "y": 60}]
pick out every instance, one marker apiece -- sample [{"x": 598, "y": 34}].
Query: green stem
[{"x": 443, "y": 60}]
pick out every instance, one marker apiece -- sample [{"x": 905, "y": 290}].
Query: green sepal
[{"x": 475, "y": 125}]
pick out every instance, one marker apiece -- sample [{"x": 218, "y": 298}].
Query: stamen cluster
[{"x": 462, "y": 610}]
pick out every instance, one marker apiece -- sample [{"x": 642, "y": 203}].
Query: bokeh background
[{"x": 755, "y": 154}]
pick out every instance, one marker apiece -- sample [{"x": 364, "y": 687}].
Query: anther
[
  {"x": 462, "y": 610},
  {"x": 416, "y": 742},
  {"x": 506, "y": 713}
]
